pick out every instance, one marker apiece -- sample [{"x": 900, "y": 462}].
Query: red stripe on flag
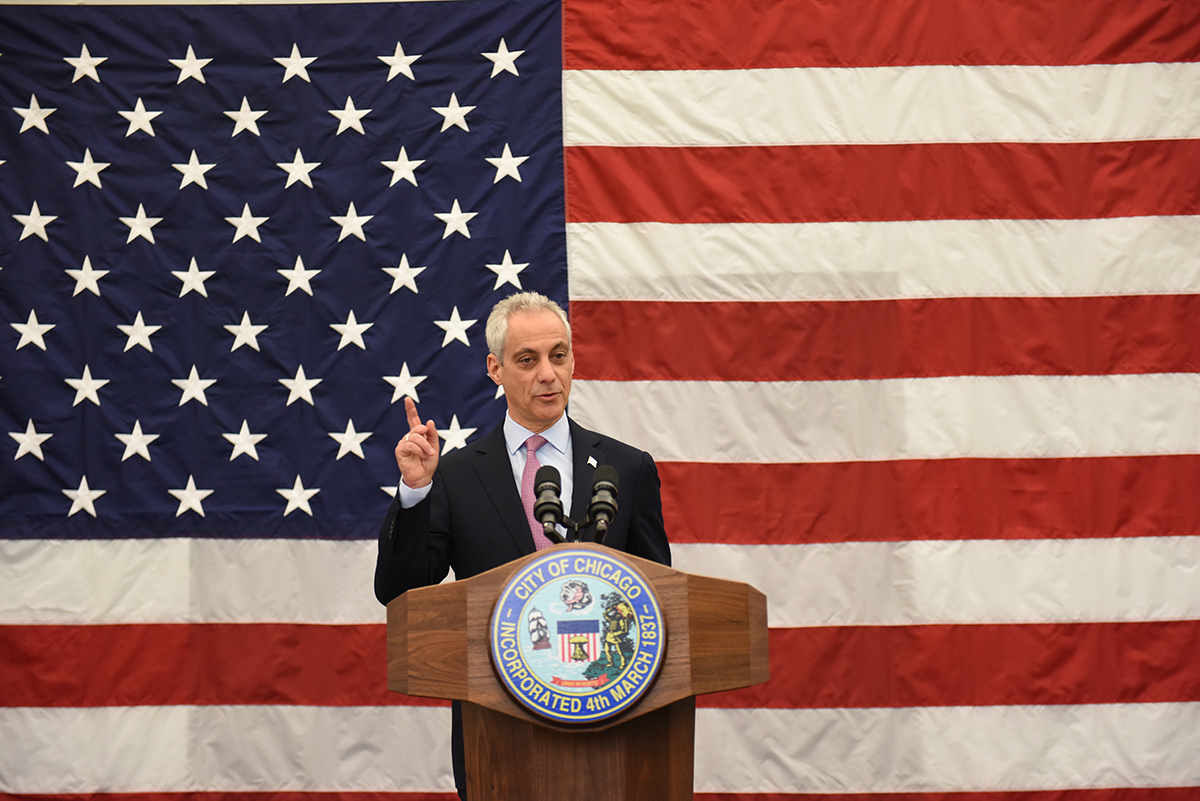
[
  {"x": 940, "y": 499},
  {"x": 892, "y": 666},
  {"x": 828, "y": 183},
  {"x": 831, "y": 340},
  {"x": 197, "y": 664},
  {"x": 725, "y": 34},
  {"x": 905, "y": 666}
]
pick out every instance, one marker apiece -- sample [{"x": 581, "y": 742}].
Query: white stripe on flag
[
  {"x": 179, "y": 580},
  {"x": 751, "y": 750},
  {"x": 861, "y": 583},
  {"x": 965, "y": 582},
  {"x": 1095, "y": 102},
  {"x": 938, "y": 418},
  {"x": 224, "y": 749},
  {"x": 878, "y": 260},
  {"x": 996, "y": 748}
]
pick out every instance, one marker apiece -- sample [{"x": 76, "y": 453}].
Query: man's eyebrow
[{"x": 562, "y": 343}]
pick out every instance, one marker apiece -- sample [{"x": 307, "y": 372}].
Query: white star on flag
[
  {"x": 34, "y": 116},
  {"x": 350, "y": 117},
  {"x": 246, "y": 225},
  {"x": 454, "y": 114},
  {"x": 139, "y": 118},
  {"x": 86, "y": 64},
  {"x": 507, "y": 272},
  {"x": 190, "y": 498},
  {"x": 455, "y": 436},
  {"x": 403, "y": 275},
  {"x": 190, "y": 67},
  {"x": 298, "y": 277},
  {"x": 193, "y": 278},
  {"x": 35, "y": 223},
  {"x": 86, "y": 387},
  {"x": 140, "y": 225},
  {"x": 298, "y": 170},
  {"x": 503, "y": 60},
  {"x": 29, "y": 442},
  {"x": 193, "y": 172},
  {"x": 245, "y": 119},
  {"x": 350, "y": 441},
  {"x": 297, "y": 498},
  {"x": 82, "y": 499},
  {"x": 243, "y": 442},
  {"x": 87, "y": 278},
  {"x": 32, "y": 331},
  {"x": 193, "y": 387},
  {"x": 245, "y": 333},
  {"x": 456, "y": 220},
  {"x": 138, "y": 333},
  {"x": 136, "y": 442},
  {"x": 300, "y": 387},
  {"x": 351, "y": 331},
  {"x": 455, "y": 328},
  {"x": 399, "y": 63},
  {"x": 506, "y": 164},
  {"x": 404, "y": 384},
  {"x": 88, "y": 171},
  {"x": 403, "y": 168},
  {"x": 352, "y": 223},
  {"x": 295, "y": 65}
]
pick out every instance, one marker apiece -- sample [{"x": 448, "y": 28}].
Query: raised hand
[{"x": 417, "y": 452}]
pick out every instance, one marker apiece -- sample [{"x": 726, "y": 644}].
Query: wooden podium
[{"x": 716, "y": 640}]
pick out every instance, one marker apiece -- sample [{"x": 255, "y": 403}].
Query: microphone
[
  {"x": 603, "y": 507},
  {"x": 547, "y": 507}
]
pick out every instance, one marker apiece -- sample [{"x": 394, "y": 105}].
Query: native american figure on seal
[{"x": 618, "y": 618}]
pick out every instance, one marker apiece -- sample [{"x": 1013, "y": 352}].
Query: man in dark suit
[{"x": 466, "y": 512}]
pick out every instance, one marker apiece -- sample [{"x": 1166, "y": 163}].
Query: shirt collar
[{"x": 515, "y": 434}]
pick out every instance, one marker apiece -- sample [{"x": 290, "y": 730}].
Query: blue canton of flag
[{"x": 234, "y": 238}]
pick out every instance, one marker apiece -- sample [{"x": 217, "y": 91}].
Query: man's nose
[{"x": 545, "y": 372}]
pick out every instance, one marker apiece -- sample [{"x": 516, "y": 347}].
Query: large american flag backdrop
[{"x": 904, "y": 295}]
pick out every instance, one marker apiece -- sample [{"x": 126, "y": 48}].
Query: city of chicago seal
[{"x": 577, "y": 635}]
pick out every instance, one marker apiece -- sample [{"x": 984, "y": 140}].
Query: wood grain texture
[
  {"x": 647, "y": 758},
  {"x": 716, "y": 639}
]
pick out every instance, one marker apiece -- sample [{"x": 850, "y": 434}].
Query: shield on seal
[{"x": 578, "y": 640}]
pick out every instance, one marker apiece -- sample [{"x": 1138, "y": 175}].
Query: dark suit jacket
[{"x": 473, "y": 519}]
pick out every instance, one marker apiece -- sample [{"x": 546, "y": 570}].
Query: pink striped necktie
[{"x": 527, "y": 497}]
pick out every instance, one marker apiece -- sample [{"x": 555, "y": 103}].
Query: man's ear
[{"x": 493, "y": 368}]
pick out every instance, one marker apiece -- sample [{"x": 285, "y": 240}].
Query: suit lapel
[
  {"x": 494, "y": 469},
  {"x": 586, "y": 457}
]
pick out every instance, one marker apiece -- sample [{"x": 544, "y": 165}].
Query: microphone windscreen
[
  {"x": 605, "y": 472},
  {"x": 547, "y": 474}
]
